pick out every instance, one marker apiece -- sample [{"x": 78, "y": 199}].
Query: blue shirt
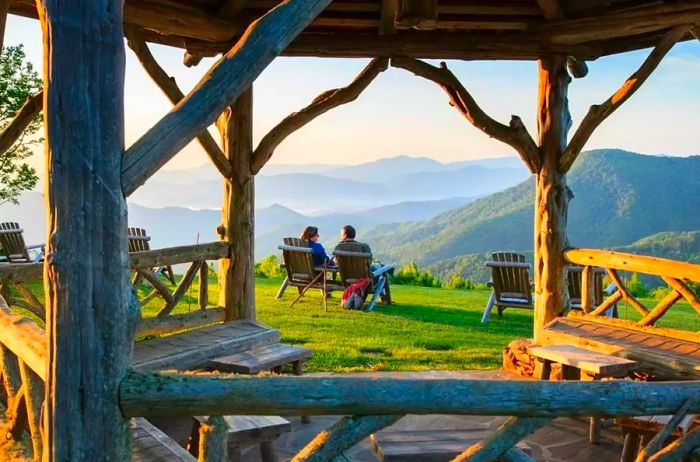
[{"x": 318, "y": 253}]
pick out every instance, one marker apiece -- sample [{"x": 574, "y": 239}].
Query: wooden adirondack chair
[
  {"x": 510, "y": 283},
  {"x": 301, "y": 272},
  {"x": 574, "y": 276},
  {"x": 357, "y": 265},
  {"x": 139, "y": 242},
  {"x": 12, "y": 244}
]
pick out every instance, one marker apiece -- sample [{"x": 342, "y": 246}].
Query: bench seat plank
[
  {"x": 195, "y": 348},
  {"x": 152, "y": 445},
  {"x": 589, "y": 361},
  {"x": 261, "y": 358}
]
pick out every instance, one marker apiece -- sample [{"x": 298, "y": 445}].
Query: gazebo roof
[{"x": 444, "y": 29}]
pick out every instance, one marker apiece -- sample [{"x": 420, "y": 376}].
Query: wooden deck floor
[
  {"x": 672, "y": 358},
  {"x": 195, "y": 348}
]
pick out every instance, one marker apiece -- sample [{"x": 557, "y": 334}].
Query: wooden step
[
  {"x": 196, "y": 348},
  {"x": 261, "y": 358},
  {"x": 152, "y": 445}
]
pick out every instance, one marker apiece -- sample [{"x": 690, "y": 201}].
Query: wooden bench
[
  {"x": 152, "y": 445},
  {"x": 580, "y": 364},
  {"x": 638, "y": 431},
  {"x": 263, "y": 358},
  {"x": 246, "y": 430},
  {"x": 655, "y": 349},
  {"x": 427, "y": 445},
  {"x": 196, "y": 348},
  {"x": 267, "y": 357}
]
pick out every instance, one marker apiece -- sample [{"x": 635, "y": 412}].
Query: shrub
[
  {"x": 457, "y": 282},
  {"x": 636, "y": 287},
  {"x": 269, "y": 268},
  {"x": 410, "y": 275}
]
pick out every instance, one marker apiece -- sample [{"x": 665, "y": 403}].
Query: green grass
[{"x": 426, "y": 328}]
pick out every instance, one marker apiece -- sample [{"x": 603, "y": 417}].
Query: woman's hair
[{"x": 309, "y": 232}]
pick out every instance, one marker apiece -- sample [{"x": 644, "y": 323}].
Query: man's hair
[{"x": 349, "y": 231}]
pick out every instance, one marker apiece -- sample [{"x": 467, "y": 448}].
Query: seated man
[{"x": 349, "y": 244}]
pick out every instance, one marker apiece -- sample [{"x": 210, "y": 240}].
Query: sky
[{"x": 401, "y": 114}]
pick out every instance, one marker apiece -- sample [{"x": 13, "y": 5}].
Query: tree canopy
[{"x": 19, "y": 81}]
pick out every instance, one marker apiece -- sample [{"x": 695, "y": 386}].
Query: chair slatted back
[
  {"x": 510, "y": 282},
  {"x": 12, "y": 242},
  {"x": 573, "y": 283},
  {"x": 352, "y": 267},
  {"x": 298, "y": 260},
  {"x": 138, "y": 239}
]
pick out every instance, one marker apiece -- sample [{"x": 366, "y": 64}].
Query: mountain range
[
  {"x": 324, "y": 189},
  {"x": 619, "y": 198}
]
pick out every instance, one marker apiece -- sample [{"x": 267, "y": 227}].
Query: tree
[{"x": 18, "y": 83}]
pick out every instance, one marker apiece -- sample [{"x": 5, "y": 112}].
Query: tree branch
[
  {"x": 598, "y": 113},
  {"x": 262, "y": 42},
  {"x": 515, "y": 134},
  {"x": 23, "y": 118},
  {"x": 323, "y": 103},
  {"x": 168, "y": 85}
]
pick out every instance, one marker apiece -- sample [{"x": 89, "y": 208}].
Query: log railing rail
[
  {"x": 674, "y": 273},
  {"x": 14, "y": 275}
]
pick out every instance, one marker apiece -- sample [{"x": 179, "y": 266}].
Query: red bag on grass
[{"x": 354, "y": 295}]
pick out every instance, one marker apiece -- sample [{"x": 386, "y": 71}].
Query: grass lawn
[{"x": 426, "y": 328}]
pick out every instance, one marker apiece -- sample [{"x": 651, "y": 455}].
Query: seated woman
[{"x": 318, "y": 253}]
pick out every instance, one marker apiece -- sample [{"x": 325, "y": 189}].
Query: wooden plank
[
  {"x": 196, "y": 348},
  {"x": 175, "y": 255},
  {"x": 153, "y": 394},
  {"x": 634, "y": 263},
  {"x": 657, "y": 332},
  {"x": 586, "y": 360},
  {"x": 151, "y": 444},
  {"x": 265, "y": 39},
  {"x": 261, "y": 358}
]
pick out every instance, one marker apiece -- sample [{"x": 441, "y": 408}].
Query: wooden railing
[
  {"x": 142, "y": 263},
  {"x": 674, "y": 273},
  {"x": 23, "y": 372}
]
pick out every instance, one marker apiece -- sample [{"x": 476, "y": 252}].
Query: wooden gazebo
[{"x": 83, "y": 360}]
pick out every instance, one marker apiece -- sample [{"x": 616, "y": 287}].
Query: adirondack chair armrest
[
  {"x": 382, "y": 270},
  {"x": 139, "y": 238},
  {"x": 508, "y": 264},
  {"x": 345, "y": 253},
  {"x": 294, "y": 248},
  {"x": 36, "y": 246}
]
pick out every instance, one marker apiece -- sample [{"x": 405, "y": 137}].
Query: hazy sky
[{"x": 403, "y": 114}]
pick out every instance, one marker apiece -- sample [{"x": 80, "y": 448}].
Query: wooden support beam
[
  {"x": 91, "y": 310},
  {"x": 153, "y": 394},
  {"x": 503, "y": 439},
  {"x": 322, "y": 104},
  {"x": 168, "y": 85},
  {"x": 34, "y": 399},
  {"x": 660, "y": 438},
  {"x": 695, "y": 30},
  {"x": 599, "y": 112},
  {"x": 203, "y": 292},
  {"x": 687, "y": 293},
  {"x": 343, "y": 435},
  {"x": 626, "y": 295},
  {"x": 185, "y": 284},
  {"x": 577, "y": 67},
  {"x": 679, "y": 449},
  {"x": 387, "y": 20},
  {"x": 660, "y": 309},
  {"x": 515, "y": 134},
  {"x": 264, "y": 40},
  {"x": 416, "y": 14},
  {"x": 26, "y": 114},
  {"x": 4, "y": 8},
  {"x": 552, "y": 194},
  {"x": 213, "y": 440},
  {"x": 237, "y": 269},
  {"x": 231, "y": 9}
]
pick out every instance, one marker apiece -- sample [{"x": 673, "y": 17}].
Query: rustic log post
[
  {"x": 4, "y": 7},
  {"x": 91, "y": 311},
  {"x": 213, "y": 436},
  {"x": 552, "y": 195},
  {"x": 35, "y": 403},
  {"x": 237, "y": 270}
]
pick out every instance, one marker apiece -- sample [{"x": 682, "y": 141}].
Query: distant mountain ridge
[
  {"x": 322, "y": 189},
  {"x": 620, "y": 197}
]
